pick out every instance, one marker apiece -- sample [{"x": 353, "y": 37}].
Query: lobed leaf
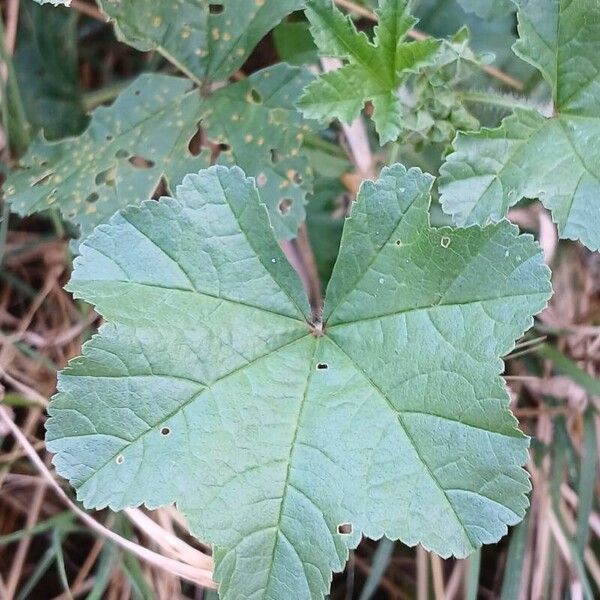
[
  {"x": 554, "y": 159},
  {"x": 205, "y": 39},
  {"x": 281, "y": 440},
  {"x": 146, "y": 136},
  {"x": 374, "y": 70}
]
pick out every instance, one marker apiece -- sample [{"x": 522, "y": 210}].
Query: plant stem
[
  {"x": 394, "y": 153},
  {"x": 4, "y": 228},
  {"x": 495, "y": 99},
  {"x": 12, "y": 97},
  {"x": 93, "y": 99}
]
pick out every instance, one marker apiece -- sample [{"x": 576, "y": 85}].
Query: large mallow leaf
[
  {"x": 374, "y": 70},
  {"x": 555, "y": 159},
  {"x": 283, "y": 438},
  {"x": 203, "y": 38},
  {"x": 159, "y": 129}
]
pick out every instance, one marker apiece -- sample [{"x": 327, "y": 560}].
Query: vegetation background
[{"x": 62, "y": 63}]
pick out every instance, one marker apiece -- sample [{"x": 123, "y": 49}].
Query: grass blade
[
  {"x": 381, "y": 560},
  {"x": 57, "y": 540},
  {"x": 515, "y": 560},
  {"x": 565, "y": 366},
  {"x": 103, "y": 572},
  {"x": 587, "y": 479},
  {"x": 472, "y": 575},
  {"x": 40, "y": 569}
]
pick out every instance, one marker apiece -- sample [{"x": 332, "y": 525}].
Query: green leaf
[
  {"x": 294, "y": 43},
  {"x": 283, "y": 440},
  {"x": 554, "y": 159},
  {"x": 144, "y": 137},
  {"x": 374, "y": 70},
  {"x": 204, "y": 39},
  {"x": 258, "y": 119},
  {"x": 442, "y": 19},
  {"x": 488, "y": 9},
  {"x": 47, "y": 68}
]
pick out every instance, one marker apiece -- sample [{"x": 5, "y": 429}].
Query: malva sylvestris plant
[{"x": 283, "y": 431}]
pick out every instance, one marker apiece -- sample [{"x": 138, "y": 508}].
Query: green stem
[
  {"x": 93, "y": 99},
  {"x": 12, "y": 96},
  {"x": 179, "y": 65},
  {"x": 5, "y": 125},
  {"x": 394, "y": 152},
  {"x": 4, "y": 228},
  {"x": 57, "y": 222},
  {"x": 500, "y": 100},
  {"x": 315, "y": 141},
  {"x": 587, "y": 479}
]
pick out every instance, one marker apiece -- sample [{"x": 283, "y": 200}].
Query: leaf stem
[
  {"x": 12, "y": 97},
  {"x": 4, "y": 228},
  {"x": 93, "y": 99},
  {"x": 502, "y": 100},
  {"x": 180, "y": 66}
]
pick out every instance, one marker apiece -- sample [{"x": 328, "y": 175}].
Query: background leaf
[
  {"x": 46, "y": 63},
  {"x": 296, "y": 437},
  {"x": 205, "y": 39},
  {"x": 554, "y": 159},
  {"x": 488, "y": 9},
  {"x": 150, "y": 134},
  {"x": 374, "y": 70}
]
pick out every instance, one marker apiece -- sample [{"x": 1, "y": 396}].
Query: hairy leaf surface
[
  {"x": 210, "y": 387},
  {"x": 374, "y": 69},
  {"x": 144, "y": 137},
  {"x": 555, "y": 159},
  {"x": 434, "y": 111},
  {"x": 205, "y": 39}
]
